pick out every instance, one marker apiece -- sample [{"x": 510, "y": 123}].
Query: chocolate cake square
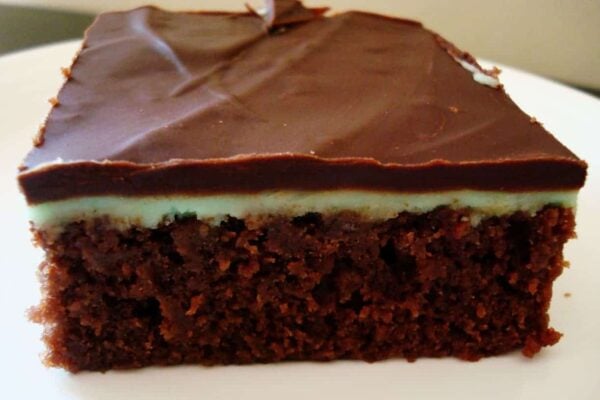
[{"x": 285, "y": 184}]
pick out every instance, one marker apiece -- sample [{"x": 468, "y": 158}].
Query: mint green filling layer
[{"x": 149, "y": 211}]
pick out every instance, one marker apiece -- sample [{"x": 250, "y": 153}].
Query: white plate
[{"x": 569, "y": 370}]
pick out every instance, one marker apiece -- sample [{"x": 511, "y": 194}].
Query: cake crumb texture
[{"x": 314, "y": 287}]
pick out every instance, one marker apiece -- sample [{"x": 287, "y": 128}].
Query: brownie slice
[{"x": 281, "y": 184}]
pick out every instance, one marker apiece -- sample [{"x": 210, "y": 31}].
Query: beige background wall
[{"x": 557, "y": 38}]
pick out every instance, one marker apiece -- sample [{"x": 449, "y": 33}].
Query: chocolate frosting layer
[{"x": 160, "y": 103}]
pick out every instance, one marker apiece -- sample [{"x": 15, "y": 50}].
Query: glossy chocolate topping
[{"x": 160, "y": 102}]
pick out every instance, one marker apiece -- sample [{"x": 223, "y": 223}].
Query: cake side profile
[{"x": 224, "y": 188}]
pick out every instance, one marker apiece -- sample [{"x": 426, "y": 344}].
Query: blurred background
[{"x": 559, "y": 39}]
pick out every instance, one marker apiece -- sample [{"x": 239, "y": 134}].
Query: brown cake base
[{"x": 316, "y": 287}]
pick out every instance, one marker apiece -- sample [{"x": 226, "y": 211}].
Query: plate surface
[{"x": 568, "y": 370}]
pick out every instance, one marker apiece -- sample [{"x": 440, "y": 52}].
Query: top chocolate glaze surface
[{"x": 364, "y": 91}]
